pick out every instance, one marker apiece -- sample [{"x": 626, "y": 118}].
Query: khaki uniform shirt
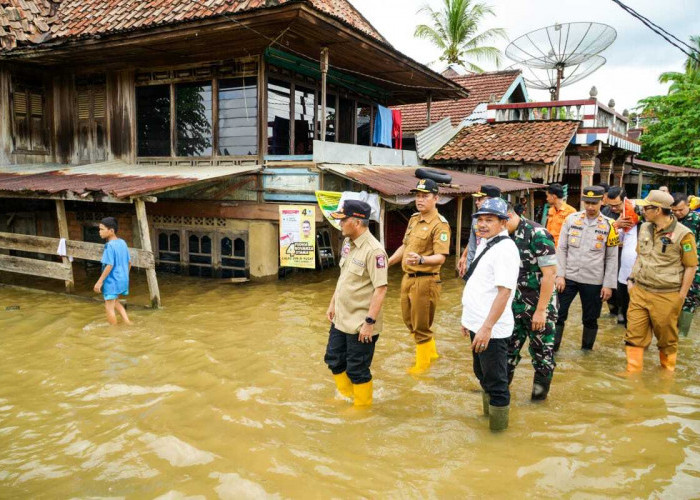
[
  {"x": 660, "y": 267},
  {"x": 363, "y": 268},
  {"x": 426, "y": 235},
  {"x": 587, "y": 251}
]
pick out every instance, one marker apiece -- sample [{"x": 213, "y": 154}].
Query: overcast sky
[{"x": 634, "y": 61}]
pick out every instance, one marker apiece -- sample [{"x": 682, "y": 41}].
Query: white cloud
[{"x": 635, "y": 60}]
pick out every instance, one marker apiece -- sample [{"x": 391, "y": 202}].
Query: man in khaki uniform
[
  {"x": 661, "y": 277},
  {"x": 425, "y": 246},
  {"x": 355, "y": 309}
]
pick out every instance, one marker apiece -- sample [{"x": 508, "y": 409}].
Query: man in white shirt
[{"x": 487, "y": 317}]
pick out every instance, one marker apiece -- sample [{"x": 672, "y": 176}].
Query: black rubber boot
[
  {"x": 588, "y": 339},
  {"x": 540, "y": 388},
  {"x": 558, "y": 336}
]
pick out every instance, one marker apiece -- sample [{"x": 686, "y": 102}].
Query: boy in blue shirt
[{"x": 116, "y": 264}]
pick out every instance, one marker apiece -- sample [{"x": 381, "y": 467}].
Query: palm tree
[
  {"x": 454, "y": 30},
  {"x": 692, "y": 71},
  {"x": 692, "y": 65}
]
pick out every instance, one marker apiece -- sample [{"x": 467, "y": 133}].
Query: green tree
[
  {"x": 692, "y": 64},
  {"x": 454, "y": 29},
  {"x": 673, "y": 136}
]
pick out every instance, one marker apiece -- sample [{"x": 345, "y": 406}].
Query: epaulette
[
  {"x": 417, "y": 213},
  {"x": 442, "y": 218}
]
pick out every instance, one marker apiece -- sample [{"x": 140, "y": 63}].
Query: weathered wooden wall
[
  {"x": 64, "y": 118},
  {"x": 121, "y": 115},
  {"x": 5, "y": 117}
]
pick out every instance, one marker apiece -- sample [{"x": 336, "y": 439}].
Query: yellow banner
[
  {"x": 298, "y": 236},
  {"x": 328, "y": 201}
]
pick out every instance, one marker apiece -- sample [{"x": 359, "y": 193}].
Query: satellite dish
[
  {"x": 554, "y": 79},
  {"x": 561, "y": 46}
]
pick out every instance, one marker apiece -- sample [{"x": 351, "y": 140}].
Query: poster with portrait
[{"x": 298, "y": 236}]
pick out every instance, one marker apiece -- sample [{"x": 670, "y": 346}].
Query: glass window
[
  {"x": 363, "y": 123},
  {"x": 233, "y": 258},
  {"x": 278, "y": 117},
  {"x": 238, "y": 116},
  {"x": 169, "y": 251},
  {"x": 200, "y": 256},
  {"x": 153, "y": 120},
  {"x": 346, "y": 122},
  {"x": 193, "y": 102},
  {"x": 304, "y": 113}
]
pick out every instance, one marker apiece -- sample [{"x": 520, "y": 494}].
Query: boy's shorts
[{"x": 115, "y": 296}]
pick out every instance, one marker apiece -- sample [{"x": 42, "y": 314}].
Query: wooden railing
[{"x": 49, "y": 246}]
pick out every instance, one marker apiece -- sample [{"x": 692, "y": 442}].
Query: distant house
[{"x": 500, "y": 87}]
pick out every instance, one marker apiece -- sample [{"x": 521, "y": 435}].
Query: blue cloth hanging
[{"x": 383, "y": 125}]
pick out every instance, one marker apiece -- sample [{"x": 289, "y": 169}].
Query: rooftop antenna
[{"x": 561, "y": 54}]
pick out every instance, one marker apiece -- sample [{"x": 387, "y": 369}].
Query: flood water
[{"x": 224, "y": 394}]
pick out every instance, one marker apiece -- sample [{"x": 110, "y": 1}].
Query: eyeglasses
[{"x": 649, "y": 207}]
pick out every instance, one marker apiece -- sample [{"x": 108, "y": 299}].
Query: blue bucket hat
[{"x": 494, "y": 206}]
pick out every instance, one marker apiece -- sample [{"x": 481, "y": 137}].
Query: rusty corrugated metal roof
[
  {"x": 671, "y": 169},
  {"x": 398, "y": 181},
  {"x": 115, "y": 178}
]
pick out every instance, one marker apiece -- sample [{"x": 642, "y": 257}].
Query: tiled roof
[
  {"x": 481, "y": 88},
  {"x": 530, "y": 142},
  {"x": 26, "y": 22}
]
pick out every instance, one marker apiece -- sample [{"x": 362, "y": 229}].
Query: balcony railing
[{"x": 590, "y": 112}]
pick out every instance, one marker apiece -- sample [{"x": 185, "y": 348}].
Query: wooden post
[
  {"x": 63, "y": 233},
  {"x": 458, "y": 236},
  {"x": 697, "y": 187},
  {"x": 382, "y": 222},
  {"x": 324, "y": 93},
  {"x": 430, "y": 105},
  {"x": 531, "y": 202},
  {"x": 145, "y": 235},
  {"x": 640, "y": 181}
]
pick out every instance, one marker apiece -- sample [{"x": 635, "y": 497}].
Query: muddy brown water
[{"x": 224, "y": 394}]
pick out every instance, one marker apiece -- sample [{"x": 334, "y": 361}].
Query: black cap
[
  {"x": 353, "y": 208},
  {"x": 489, "y": 191},
  {"x": 557, "y": 190},
  {"x": 593, "y": 194},
  {"x": 426, "y": 186}
]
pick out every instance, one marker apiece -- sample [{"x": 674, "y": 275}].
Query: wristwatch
[
  {"x": 370, "y": 321},
  {"x": 421, "y": 260}
]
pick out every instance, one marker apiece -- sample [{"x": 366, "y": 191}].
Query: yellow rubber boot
[
  {"x": 422, "y": 359},
  {"x": 363, "y": 394},
  {"x": 433, "y": 350},
  {"x": 635, "y": 359},
  {"x": 668, "y": 361},
  {"x": 342, "y": 382}
]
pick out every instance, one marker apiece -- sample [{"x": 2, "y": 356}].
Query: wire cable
[{"x": 687, "y": 49}]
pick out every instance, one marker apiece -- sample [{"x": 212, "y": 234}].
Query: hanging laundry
[
  {"x": 397, "y": 129},
  {"x": 383, "y": 125}
]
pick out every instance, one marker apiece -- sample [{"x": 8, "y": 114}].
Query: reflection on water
[{"x": 223, "y": 393}]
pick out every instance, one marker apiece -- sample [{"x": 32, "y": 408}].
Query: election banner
[
  {"x": 328, "y": 202},
  {"x": 298, "y": 236}
]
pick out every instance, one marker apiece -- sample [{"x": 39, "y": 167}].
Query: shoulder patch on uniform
[
  {"x": 443, "y": 236},
  {"x": 381, "y": 261},
  {"x": 687, "y": 247},
  {"x": 442, "y": 218}
]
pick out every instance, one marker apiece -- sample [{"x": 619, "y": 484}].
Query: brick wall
[{"x": 126, "y": 227}]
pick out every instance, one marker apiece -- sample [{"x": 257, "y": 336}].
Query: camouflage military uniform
[
  {"x": 537, "y": 250},
  {"x": 692, "y": 301}
]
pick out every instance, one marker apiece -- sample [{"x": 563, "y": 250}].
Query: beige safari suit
[{"x": 363, "y": 268}]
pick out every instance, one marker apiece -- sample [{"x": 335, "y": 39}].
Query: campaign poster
[{"x": 298, "y": 236}]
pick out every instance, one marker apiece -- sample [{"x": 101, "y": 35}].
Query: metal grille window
[
  {"x": 234, "y": 257},
  {"x": 169, "y": 251},
  {"x": 200, "y": 254}
]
